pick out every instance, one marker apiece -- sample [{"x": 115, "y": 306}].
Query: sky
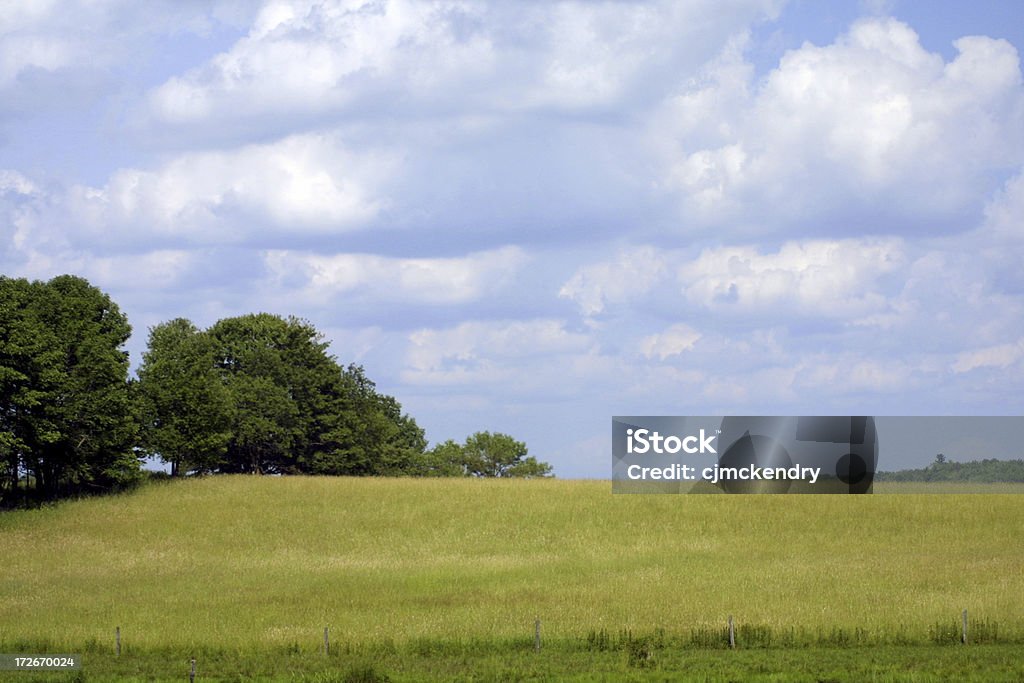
[{"x": 529, "y": 217}]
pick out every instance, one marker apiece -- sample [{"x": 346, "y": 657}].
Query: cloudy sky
[{"x": 530, "y": 216}]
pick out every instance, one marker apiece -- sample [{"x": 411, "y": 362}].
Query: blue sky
[{"x": 529, "y": 217}]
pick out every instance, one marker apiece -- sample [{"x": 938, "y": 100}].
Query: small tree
[
  {"x": 443, "y": 460},
  {"x": 486, "y": 455}
]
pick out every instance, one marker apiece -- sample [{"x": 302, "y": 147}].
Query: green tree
[
  {"x": 366, "y": 434},
  {"x": 445, "y": 459},
  {"x": 297, "y": 410},
  {"x": 279, "y": 377},
  {"x": 26, "y": 347},
  {"x": 67, "y": 414},
  {"x": 266, "y": 430},
  {"x": 184, "y": 405},
  {"x": 485, "y": 455}
]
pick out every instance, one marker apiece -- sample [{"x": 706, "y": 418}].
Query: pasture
[{"x": 250, "y": 570}]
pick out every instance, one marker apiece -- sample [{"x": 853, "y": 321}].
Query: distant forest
[
  {"x": 988, "y": 471},
  {"x": 256, "y": 393}
]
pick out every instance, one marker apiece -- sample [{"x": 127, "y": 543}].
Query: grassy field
[{"x": 242, "y": 569}]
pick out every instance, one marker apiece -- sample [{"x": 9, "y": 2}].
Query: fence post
[
  {"x": 732, "y": 634},
  {"x": 536, "y": 635},
  {"x": 327, "y": 642},
  {"x": 192, "y": 672},
  {"x": 963, "y": 634},
  {"x": 117, "y": 640}
]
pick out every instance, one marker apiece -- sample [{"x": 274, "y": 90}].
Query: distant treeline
[
  {"x": 255, "y": 393},
  {"x": 978, "y": 471}
]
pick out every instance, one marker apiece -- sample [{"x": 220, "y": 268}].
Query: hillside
[{"x": 246, "y": 561}]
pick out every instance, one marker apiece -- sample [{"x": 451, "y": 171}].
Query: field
[{"x": 421, "y": 579}]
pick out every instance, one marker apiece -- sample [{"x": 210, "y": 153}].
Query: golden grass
[{"x": 269, "y": 561}]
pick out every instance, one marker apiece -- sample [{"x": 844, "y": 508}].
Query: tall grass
[{"x": 241, "y": 562}]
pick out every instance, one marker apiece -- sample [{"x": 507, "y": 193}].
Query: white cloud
[
  {"x": 301, "y": 184},
  {"x": 848, "y": 372},
  {"x": 1000, "y": 356},
  {"x": 443, "y": 281},
  {"x": 510, "y": 353},
  {"x": 156, "y": 270},
  {"x": 125, "y": 274},
  {"x": 831, "y": 278},
  {"x": 834, "y": 278},
  {"x": 27, "y": 40},
  {"x": 12, "y": 182},
  {"x": 84, "y": 35},
  {"x": 1004, "y": 214},
  {"x": 670, "y": 342},
  {"x": 631, "y": 273},
  {"x": 868, "y": 119},
  {"x": 305, "y": 57}
]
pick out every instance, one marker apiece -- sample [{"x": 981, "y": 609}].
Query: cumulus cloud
[
  {"x": 853, "y": 372},
  {"x": 313, "y": 55},
  {"x": 304, "y": 57},
  {"x": 437, "y": 281},
  {"x": 12, "y": 182},
  {"x": 1004, "y": 214},
  {"x": 54, "y": 46},
  {"x": 155, "y": 270},
  {"x": 630, "y": 273},
  {"x": 20, "y": 198},
  {"x": 508, "y": 353},
  {"x": 855, "y": 124},
  {"x": 670, "y": 342},
  {"x": 30, "y": 41},
  {"x": 833, "y": 278},
  {"x": 300, "y": 184},
  {"x": 830, "y": 278},
  {"x": 1000, "y": 356}
]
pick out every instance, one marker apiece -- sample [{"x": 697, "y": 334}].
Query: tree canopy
[
  {"x": 260, "y": 394},
  {"x": 66, "y": 419},
  {"x": 484, "y": 455},
  {"x": 185, "y": 407}
]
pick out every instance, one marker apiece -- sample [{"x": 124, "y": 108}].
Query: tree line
[
  {"x": 987, "y": 471},
  {"x": 255, "y": 393}
]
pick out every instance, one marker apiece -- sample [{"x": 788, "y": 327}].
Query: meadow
[{"x": 444, "y": 578}]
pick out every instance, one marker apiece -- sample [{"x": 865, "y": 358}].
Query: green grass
[
  {"x": 982, "y": 663},
  {"x": 406, "y": 570}
]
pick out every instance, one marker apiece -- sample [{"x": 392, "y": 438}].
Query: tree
[
  {"x": 280, "y": 380},
  {"x": 366, "y": 434},
  {"x": 296, "y": 410},
  {"x": 26, "y": 346},
  {"x": 484, "y": 455},
  {"x": 67, "y": 417},
  {"x": 185, "y": 407}
]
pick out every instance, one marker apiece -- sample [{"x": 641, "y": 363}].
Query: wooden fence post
[
  {"x": 732, "y": 634},
  {"x": 117, "y": 640},
  {"x": 327, "y": 642},
  {"x": 192, "y": 672},
  {"x": 536, "y": 635},
  {"x": 963, "y": 634}
]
